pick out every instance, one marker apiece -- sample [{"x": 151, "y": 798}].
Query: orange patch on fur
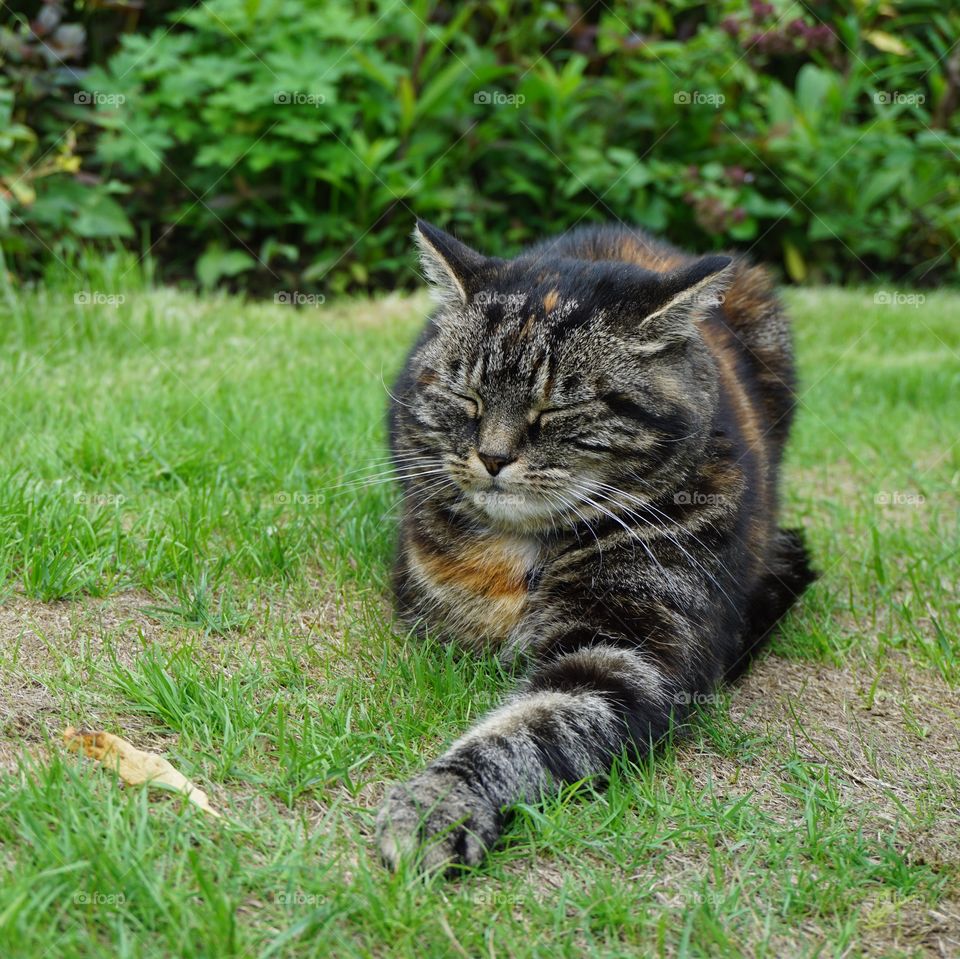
[
  {"x": 632, "y": 251},
  {"x": 527, "y": 327},
  {"x": 718, "y": 340},
  {"x": 485, "y": 568},
  {"x": 550, "y": 300},
  {"x": 758, "y": 535},
  {"x": 749, "y": 297},
  {"x": 477, "y": 576}
]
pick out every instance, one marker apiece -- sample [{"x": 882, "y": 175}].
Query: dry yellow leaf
[
  {"x": 887, "y": 42},
  {"x": 134, "y": 765}
]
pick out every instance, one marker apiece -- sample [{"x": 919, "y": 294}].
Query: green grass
[{"x": 183, "y": 460}]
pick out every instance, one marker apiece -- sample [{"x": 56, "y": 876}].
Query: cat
[{"x": 588, "y": 438}]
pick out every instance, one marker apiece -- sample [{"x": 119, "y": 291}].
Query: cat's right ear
[{"x": 452, "y": 268}]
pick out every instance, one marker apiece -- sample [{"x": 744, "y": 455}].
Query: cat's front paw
[{"x": 435, "y": 821}]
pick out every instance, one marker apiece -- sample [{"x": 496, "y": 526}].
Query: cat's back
[{"x": 615, "y": 242}]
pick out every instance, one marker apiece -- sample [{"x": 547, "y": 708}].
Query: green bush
[
  {"x": 280, "y": 143},
  {"x": 49, "y": 205},
  {"x": 54, "y": 204}
]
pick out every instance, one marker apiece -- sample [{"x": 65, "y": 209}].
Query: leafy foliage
[{"x": 48, "y": 204}]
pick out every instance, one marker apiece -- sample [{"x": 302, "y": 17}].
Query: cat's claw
[{"x": 435, "y": 823}]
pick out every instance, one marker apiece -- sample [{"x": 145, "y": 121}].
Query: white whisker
[{"x": 672, "y": 539}]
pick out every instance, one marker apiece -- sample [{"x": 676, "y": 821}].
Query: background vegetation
[{"x": 281, "y": 144}]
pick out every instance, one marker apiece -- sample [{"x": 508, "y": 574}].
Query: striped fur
[{"x": 589, "y": 439}]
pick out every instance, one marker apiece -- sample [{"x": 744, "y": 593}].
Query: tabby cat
[{"x": 589, "y": 439}]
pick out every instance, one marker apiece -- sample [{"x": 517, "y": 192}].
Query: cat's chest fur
[{"x": 479, "y": 584}]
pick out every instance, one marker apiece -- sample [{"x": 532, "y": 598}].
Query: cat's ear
[
  {"x": 680, "y": 298},
  {"x": 695, "y": 288},
  {"x": 451, "y": 267}
]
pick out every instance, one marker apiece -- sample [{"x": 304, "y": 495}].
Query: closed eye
[
  {"x": 432, "y": 383},
  {"x": 470, "y": 403},
  {"x": 549, "y": 412}
]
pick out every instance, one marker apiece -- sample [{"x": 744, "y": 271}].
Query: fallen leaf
[
  {"x": 134, "y": 765},
  {"x": 887, "y": 42}
]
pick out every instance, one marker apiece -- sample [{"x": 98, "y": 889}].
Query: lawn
[{"x": 195, "y": 536}]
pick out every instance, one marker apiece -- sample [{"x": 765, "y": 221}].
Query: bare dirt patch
[
  {"x": 35, "y": 635},
  {"x": 891, "y": 742},
  {"x": 890, "y": 731},
  {"x": 385, "y": 311},
  {"x": 39, "y": 641}
]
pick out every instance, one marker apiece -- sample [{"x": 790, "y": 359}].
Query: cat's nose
[{"x": 495, "y": 462}]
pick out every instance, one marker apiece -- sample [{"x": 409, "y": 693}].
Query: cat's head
[{"x": 550, "y": 387}]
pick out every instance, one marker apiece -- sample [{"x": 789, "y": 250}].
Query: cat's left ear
[
  {"x": 452, "y": 268},
  {"x": 675, "y": 301},
  {"x": 694, "y": 289}
]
